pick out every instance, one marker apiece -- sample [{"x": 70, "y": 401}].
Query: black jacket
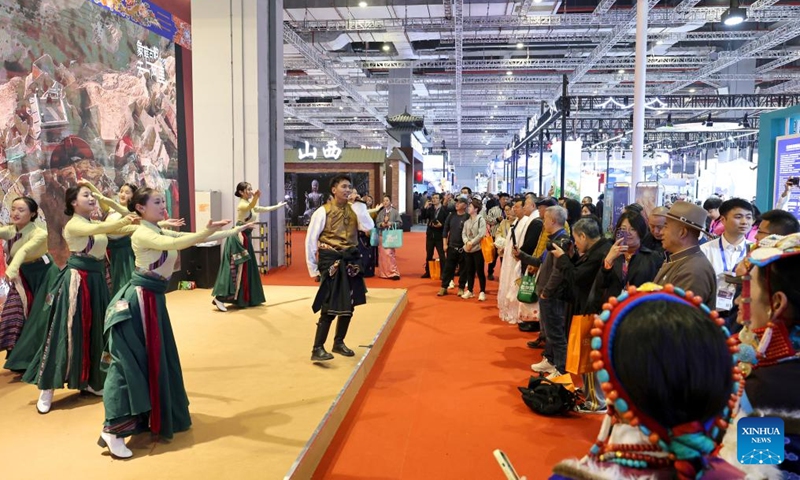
[
  {"x": 609, "y": 283},
  {"x": 549, "y": 281},
  {"x": 535, "y": 229},
  {"x": 580, "y": 274},
  {"x": 650, "y": 242},
  {"x": 430, "y": 215}
]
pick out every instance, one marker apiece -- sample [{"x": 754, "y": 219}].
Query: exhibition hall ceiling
[{"x": 478, "y": 68}]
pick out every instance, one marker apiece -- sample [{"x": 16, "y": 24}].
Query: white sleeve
[
  {"x": 315, "y": 227},
  {"x": 365, "y": 222},
  {"x": 782, "y": 201}
]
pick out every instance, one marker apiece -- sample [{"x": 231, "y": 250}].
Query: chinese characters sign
[
  {"x": 150, "y": 63},
  {"x": 331, "y": 151}
]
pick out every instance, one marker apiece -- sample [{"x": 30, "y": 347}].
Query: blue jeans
[{"x": 554, "y": 322}]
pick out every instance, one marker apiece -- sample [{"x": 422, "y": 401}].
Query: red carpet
[{"x": 443, "y": 395}]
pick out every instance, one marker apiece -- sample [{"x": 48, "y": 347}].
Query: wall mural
[
  {"x": 306, "y": 192},
  {"x": 84, "y": 93}
]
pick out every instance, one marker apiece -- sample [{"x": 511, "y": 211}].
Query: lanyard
[{"x": 725, "y": 260}]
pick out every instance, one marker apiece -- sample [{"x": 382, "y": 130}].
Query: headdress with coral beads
[{"x": 617, "y": 397}]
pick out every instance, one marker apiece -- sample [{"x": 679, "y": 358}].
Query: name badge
[{"x": 725, "y": 294}]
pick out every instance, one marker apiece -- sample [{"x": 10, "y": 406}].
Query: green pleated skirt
[
  {"x": 59, "y": 360},
  {"x": 39, "y": 276},
  {"x": 122, "y": 260},
  {"x": 241, "y": 289},
  {"x": 126, "y": 395}
]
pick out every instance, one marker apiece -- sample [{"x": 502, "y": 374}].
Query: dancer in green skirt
[
  {"x": 73, "y": 343},
  {"x": 120, "y": 253},
  {"x": 30, "y": 270},
  {"x": 238, "y": 281},
  {"x": 144, "y": 387}
]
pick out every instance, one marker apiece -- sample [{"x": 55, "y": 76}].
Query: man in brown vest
[{"x": 332, "y": 257}]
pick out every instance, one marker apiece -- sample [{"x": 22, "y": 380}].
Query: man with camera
[
  {"x": 435, "y": 214},
  {"x": 552, "y": 290}
]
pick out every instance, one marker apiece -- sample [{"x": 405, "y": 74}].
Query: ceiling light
[
  {"x": 520, "y": 45},
  {"x": 386, "y": 47},
  {"x": 492, "y": 117},
  {"x": 692, "y": 90},
  {"x": 595, "y": 92},
  {"x": 537, "y": 1},
  {"x": 509, "y": 72},
  {"x": 362, "y": 4},
  {"x": 660, "y": 42},
  {"x": 495, "y": 106},
  {"x": 341, "y": 108},
  {"x": 734, "y": 15},
  {"x": 486, "y": 131},
  {"x": 621, "y": 70}
]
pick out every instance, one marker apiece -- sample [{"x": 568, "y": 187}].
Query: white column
[
  {"x": 237, "y": 61},
  {"x": 637, "y": 169}
]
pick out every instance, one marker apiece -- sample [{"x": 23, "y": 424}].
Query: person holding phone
[
  {"x": 628, "y": 262},
  {"x": 792, "y": 183}
]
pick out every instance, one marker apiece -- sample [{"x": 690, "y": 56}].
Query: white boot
[
  {"x": 98, "y": 393},
  {"x": 45, "y": 401},
  {"x": 220, "y": 306},
  {"x": 116, "y": 445}
]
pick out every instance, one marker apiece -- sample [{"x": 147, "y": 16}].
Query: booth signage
[{"x": 331, "y": 150}]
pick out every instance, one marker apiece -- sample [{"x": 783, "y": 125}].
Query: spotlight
[
  {"x": 362, "y": 4},
  {"x": 520, "y": 45},
  {"x": 660, "y": 42},
  {"x": 509, "y": 72},
  {"x": 692, "y": 90},
  {"x": 709, "y": 122},
  {"x": 621, "y": 70},
  {"x": 733, "y": 15},
  {"x": 386, "y": 47}
]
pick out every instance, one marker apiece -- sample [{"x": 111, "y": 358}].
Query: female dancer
[
  {"x": 120, "y": 253},
  {"x": 388, "y": 217},
  {"x": 144, "y": 387},
  {"x": 238, "y": 280},
  {"x": 29, "y": 271},
  {"x": 72, "y": 347}
]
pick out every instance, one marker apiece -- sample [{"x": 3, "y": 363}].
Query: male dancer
[{"x": 332, "y": 256}]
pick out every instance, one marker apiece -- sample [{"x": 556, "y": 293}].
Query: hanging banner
[{"x": 151, "y": 17}]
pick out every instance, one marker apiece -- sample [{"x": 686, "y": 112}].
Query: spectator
[
  {"x": 454, "y": 246},
  {"x": 751, "y": 235},
  {"x": 600, "y": 204},
  {"x": 587, "y": 210},
  {"x": 711, "y": 206},
  {"x": 473, "y": 231},
  {"x": 388, "y": 218},
  {"x": 534, "y": 210},
  {"x": 687, "y": 267},
  {"x": 627, "y": 262},
  {"x": 587, "y": 201},
  {"x": 787, "y": 192},
  {"x": 495, "y": 215},
  {"x": 580, "y": 273},
  {"x": 551, "y": 288},
  {"x": 670, "y": 427},
  {"x": 449, "y": 202},
  {"x": 466, "y": 191},
  {"x": 725, "y": 252},
  {"x": 573, "y": 210},
  {"x": 436, "y": 215},
  {"x": 655, "y": 235},
  {"x": 777, "y": 222},
  {"x": 507, "y": 290}
]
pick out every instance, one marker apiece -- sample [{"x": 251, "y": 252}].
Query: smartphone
[
  {"x": 505, "y": 465},
  {"x": 794, "y": 181}
]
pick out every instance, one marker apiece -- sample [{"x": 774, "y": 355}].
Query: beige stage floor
[{"x": 256, "y": 399}]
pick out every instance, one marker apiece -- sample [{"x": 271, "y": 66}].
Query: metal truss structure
[{"x": 477, "y": 76}]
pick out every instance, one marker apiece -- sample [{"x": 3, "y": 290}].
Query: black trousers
[
  {"x": 433, "y": 239},
  {"x": 493, "y": 262},
  {"x": 455, "y": 257},
  {"x": 474, "y": 263}
]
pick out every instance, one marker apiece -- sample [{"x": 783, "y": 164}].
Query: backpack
[{"x": 547, "y": 398}]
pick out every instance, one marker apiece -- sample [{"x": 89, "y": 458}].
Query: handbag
[
  {"x": 392, "y": 238},
  {"x": 373, "y": 237},
  {"x": 435, "y": 269},
  {"x": 487, "y": 246},
  {"x": 546, "y": 397},
  {"x": 579, "y": 345},
  {"x": 527, "y": 290}
]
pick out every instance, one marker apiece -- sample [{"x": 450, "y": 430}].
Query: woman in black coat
[{"x": 627, "y": 262}]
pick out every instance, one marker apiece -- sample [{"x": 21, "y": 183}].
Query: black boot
[
  {"x": 342, "y": 324},
  {"x": 318, "y": 353}
]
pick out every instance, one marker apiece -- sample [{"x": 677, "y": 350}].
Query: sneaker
[
  {"x": 452, "y": 285},
  {"x": 482, "y": 297},
  {"x": 460, "y": 292},
  {"x": 544, "y": 367},
  {"x": 467, "y": 295},
  {"x": 442, "y": 292},
  {"x": 588, "y": 410}
]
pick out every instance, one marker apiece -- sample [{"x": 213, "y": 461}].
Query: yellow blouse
[
  {"x": 246, "y": 210},
  {"x": 29, "y": 247},
  {"x": 156, "y": 250},
  {"x": 89, "y": 236}
]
